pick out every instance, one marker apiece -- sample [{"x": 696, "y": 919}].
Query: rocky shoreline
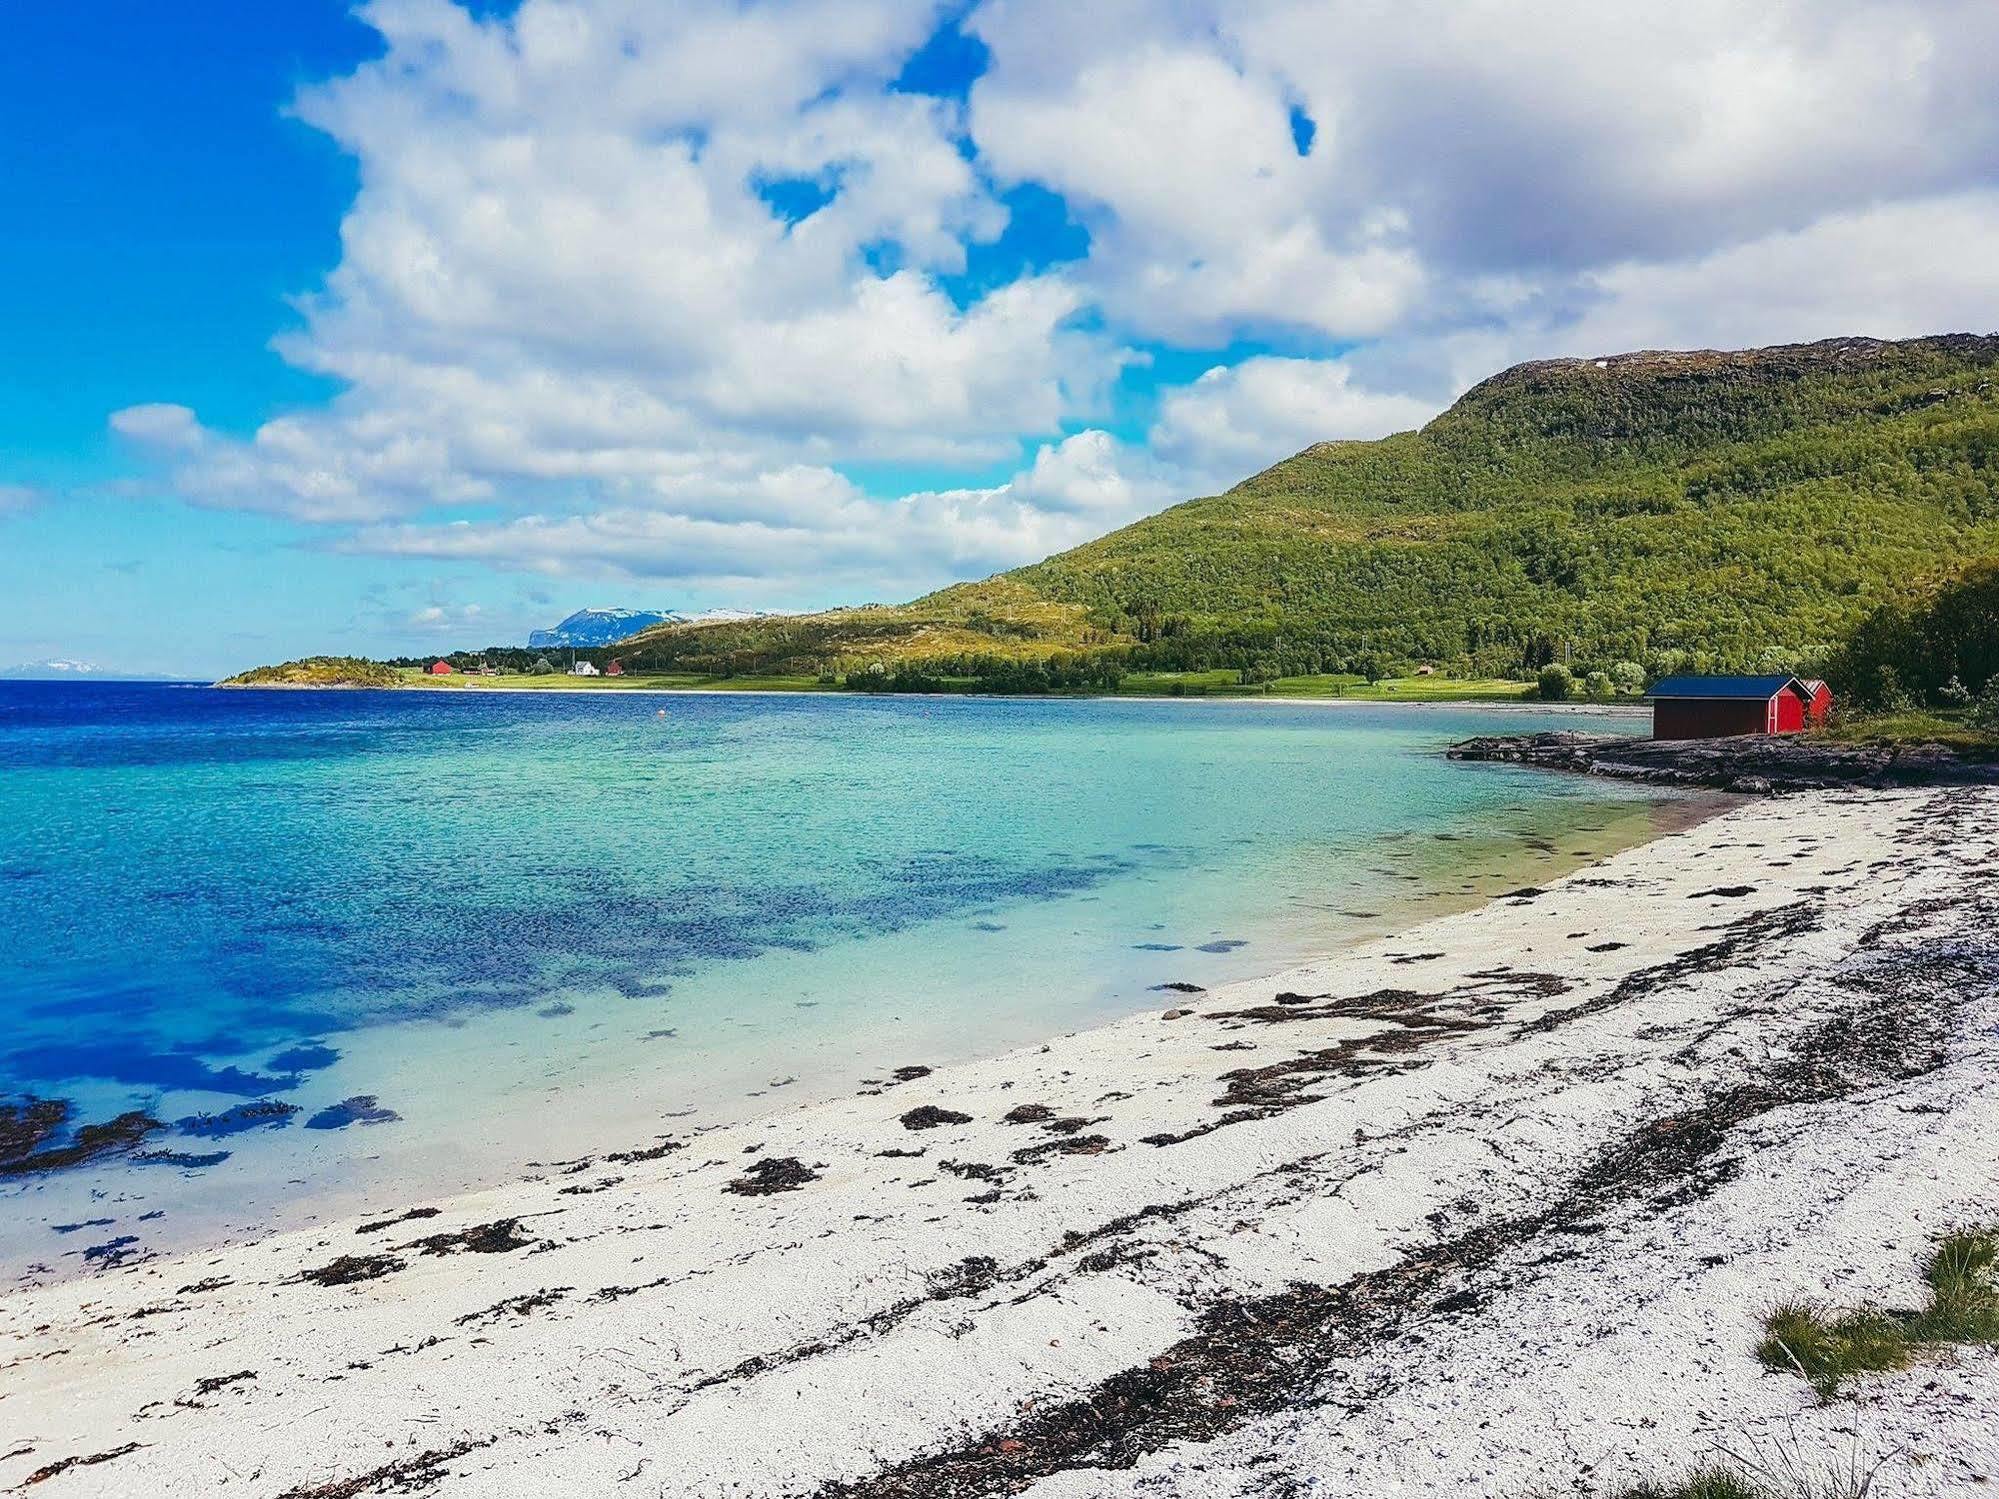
[{"x": 1748, "y": 764}]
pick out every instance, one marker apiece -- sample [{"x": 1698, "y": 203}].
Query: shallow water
[{"x": 521, "y": 926}]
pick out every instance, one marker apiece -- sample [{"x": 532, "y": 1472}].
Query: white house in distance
[{"x": 584, "y": 669}]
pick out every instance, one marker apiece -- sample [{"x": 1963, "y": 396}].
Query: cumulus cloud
[
  {"x": 1237, "y": 418},
  {"x": 1449, "y": 142},
  {"x": 631, "y": 289},
  {"x": 160, "y": 424},
  {"x": 790, "y": 531}
]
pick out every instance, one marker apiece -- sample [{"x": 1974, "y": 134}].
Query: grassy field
[{"x": 1920, "y": 726}]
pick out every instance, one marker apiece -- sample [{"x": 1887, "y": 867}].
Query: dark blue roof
[{"x": 1760, "y": 688}]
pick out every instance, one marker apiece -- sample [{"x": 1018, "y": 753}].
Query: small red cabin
[
  {"x": 615, "y": 669},
  {"x": 1718, "y": 707},
  {"x": 1819, "y": 702},
  {"x": 440, "y": 668}
]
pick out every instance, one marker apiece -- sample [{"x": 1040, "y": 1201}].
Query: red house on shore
[
  {"x": 440, "y": 668},
  {"x": 1717, "y": 707},
  {"x": 615, "y": 669},
  {"x": 1820, "y": 703}
]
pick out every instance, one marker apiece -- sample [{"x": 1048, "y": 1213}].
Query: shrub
[
  {"x": 1628, "y": 677},
  {"x": 1889, "y": 695},
  {"x": 1555, "y": 683},
  {"x": 1597, "y": 685},
  {"x": 1985, "y": 712}
]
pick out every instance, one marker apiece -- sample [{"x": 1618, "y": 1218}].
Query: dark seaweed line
[
  {"x": 1256, "y": 1356},
  {"x": 1281, "y": 1086}
]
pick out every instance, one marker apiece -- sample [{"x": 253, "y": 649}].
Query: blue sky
[{"x": 415, "y": 326}]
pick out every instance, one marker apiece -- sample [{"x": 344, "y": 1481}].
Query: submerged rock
[
  {"x": 362, "y": 1108},
  {"x": 27, "y": 1130}
]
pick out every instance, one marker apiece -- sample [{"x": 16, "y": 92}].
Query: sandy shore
[{"x": 1489, "y": 1207}]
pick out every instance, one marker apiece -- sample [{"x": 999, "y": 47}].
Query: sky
[{"x": 414, "y": 325}]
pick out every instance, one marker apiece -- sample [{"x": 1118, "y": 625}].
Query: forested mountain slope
[{"x": 1704, "y": 509}]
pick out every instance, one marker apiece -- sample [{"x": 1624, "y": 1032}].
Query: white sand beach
[{"x": 1492, "y": 1206}]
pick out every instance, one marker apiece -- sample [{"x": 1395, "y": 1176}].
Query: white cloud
[
  {"x": 445, "y": 619},
  {"x": 559, "y": 270},
  {"x": 791, "y": 535},
  {"x": 16, "y": 498},
  {"x": 159, "y": 425},
  {"x": 572, "y": 337},
  {"x": 1237, "y": 419},
  {"x": 1459, "y": 141}
]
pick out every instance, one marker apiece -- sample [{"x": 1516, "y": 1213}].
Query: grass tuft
[
  {"x": 1702, "y": 1483},
  {"x": 1784, "y": 1468},
  {"x": 1827, "y": 1349},
  {"x": 1964, "y": 1294}
]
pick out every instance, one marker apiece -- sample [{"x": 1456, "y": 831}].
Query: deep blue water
[{"x": 214, "y": 897}]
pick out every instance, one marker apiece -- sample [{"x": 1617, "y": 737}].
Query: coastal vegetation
[
  {"x": 1828, "y": 1348},
  {"x": 1925, "y": 668},
  {"x": 1785, "y": 1472},
  {"x": 319, "y": 671},
  {"x": 1938, "y": 648}
]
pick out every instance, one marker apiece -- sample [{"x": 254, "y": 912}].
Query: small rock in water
[
  {"x": 362, "y": 1108},
  {"x": 260, "y": 1113}
]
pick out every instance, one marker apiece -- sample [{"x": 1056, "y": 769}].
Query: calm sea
[{"x": 359, "y": 947}]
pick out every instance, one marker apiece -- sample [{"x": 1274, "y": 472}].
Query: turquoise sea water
[{"x": 518, "y": 925}]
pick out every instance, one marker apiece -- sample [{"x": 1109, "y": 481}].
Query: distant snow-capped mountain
[
  {"x": 595, "y": 627},
  {"x": 48, "y": 671}
]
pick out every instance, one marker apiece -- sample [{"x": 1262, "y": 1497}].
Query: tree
[
  {"x": 1903, "y": 654},
  {"x": 1597, "y": 685},
  {"x": 1628, "y": 677},
  {"x": 1556, "y": 682}
]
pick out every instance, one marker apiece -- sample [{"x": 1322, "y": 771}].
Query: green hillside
[{"x": 1705, "y": 510}]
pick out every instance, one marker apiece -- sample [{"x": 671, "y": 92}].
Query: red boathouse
[
  {"x": 615, "y": 669},
  {"x": 440, "y": 668},
  {"x": 1818, "y": 703},
  {"x": 1717, "y": 707}
]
